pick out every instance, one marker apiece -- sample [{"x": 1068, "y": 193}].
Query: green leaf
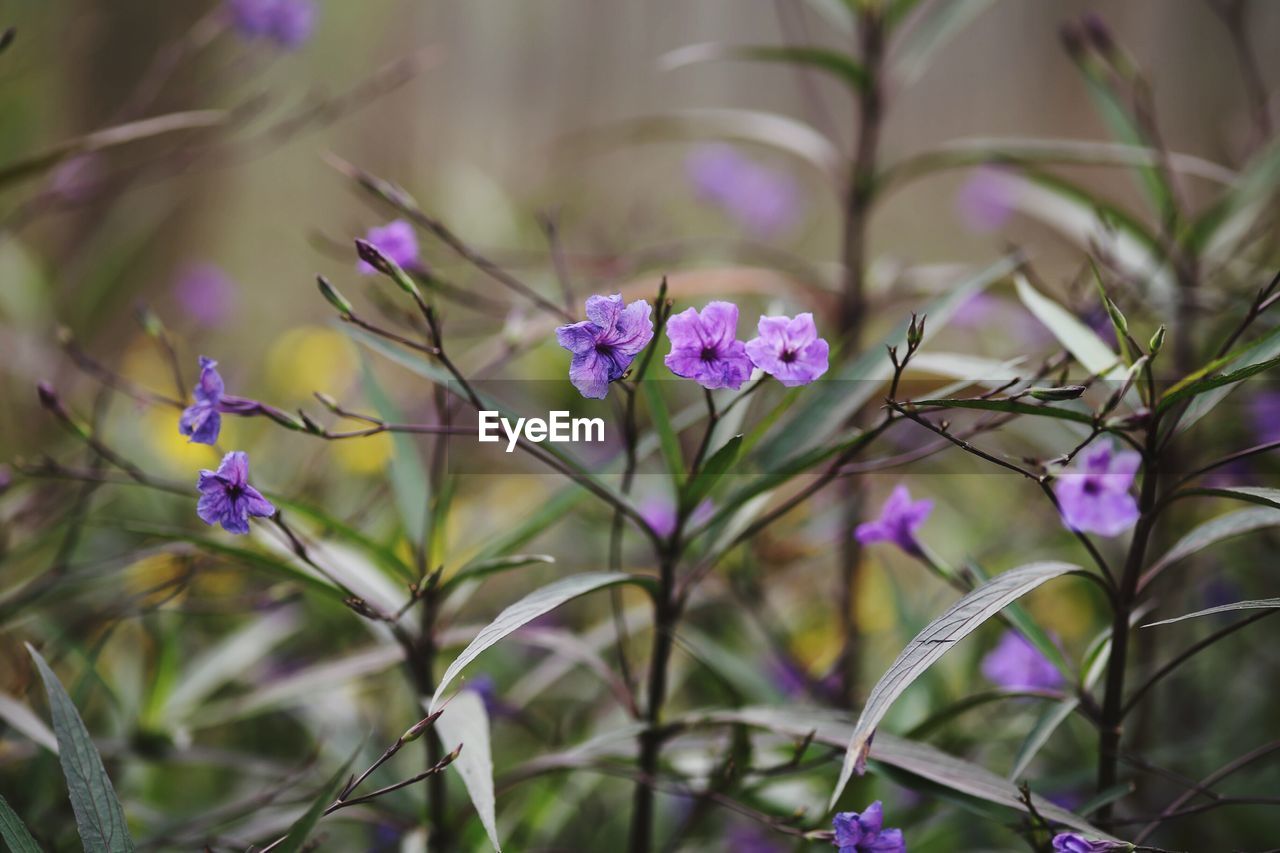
[
  {"x": 1256, "y": 604},
  {"x": 408, "y": 471},
  {"x": 832, "y": 729},
  {"x": 938, "y": 637},
  {"x": 464, "y": 721},
  {"x": 1248, "y": 494},
  {"x": 929, "y": 36},
  {"x": 527, "y": 609},
  {"x": 710, "y": 473},
  {"x": 840, "y": 65},
  {"x": 1017, "y": 407},
  {"x": 1078, "y": 339},
  {"x": 667, "y": 438},
  {"x": 302, "y": 828},
  {"x": 1215, "y": 530},
  {"x": 1210, "y": 390},
  {"x": 99, "y": 817},
  {"x": 14, "y": 831},
  {"x": 1049, "y": 721},
  {"x": 482, "y": 568},
  {"x": 1255, "y": 185}
]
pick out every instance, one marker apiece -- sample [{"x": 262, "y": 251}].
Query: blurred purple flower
[
  {"x": 751, "y": 839},
  {"x": 899, "y": 519},
  {"x": 788, "y": 677},
  {"x": 1264, "y": 411},
  {"x": 705, "y": 348},
  {"x": 226, "y": 497},
  {"x": 286, "y": 22},
  {"x": 1094, "y": 493},
  {"x": 486, "y": 688},
  {"x": 605, "y": 344},
  {"x": 1015, "y": 664},
  {"x": 975, "y": 311},
  {"x": 985, "y": 202},
  {"x": 660, "y": 514},
  {"x": 206, "y": 294},
  {"x": 1070, "y": 842},
  {"x": 764, "y": 202},
  {"x": 862, "y": 833},
  {"x": 789, "y": 349},
  {"x": 397, "y": 241}
]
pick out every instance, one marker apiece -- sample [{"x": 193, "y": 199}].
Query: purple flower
[
  {"x": 1264, "y": 411},
  {"x": 789, "y": 350},
  {"x": 1015, "y": 664},
  {"x": 202, "y": 421},
  {"x": 985, "y": 202},
  {"x": 1094, "y": 494},
  {"x": 764, "y": 202},
  {"x": 226, "y": 497},
  {"x": 1070, "y": 842},
  {"x": 899, "y": 519},
  {"x": 397, "y": 241},
  {"x": 286, "y": 22},
  {"x": 660, "y": 514},
  {"x": 206, "y": 294},
  {"x": 862, "y": 833},
  {"x": 605, "y": 344},
  {"x": 705, "y": 348}
]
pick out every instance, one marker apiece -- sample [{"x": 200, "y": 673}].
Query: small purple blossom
[
  {"x": 226, "y": 497},
  {"x": 705, "y": 347},
  {"x": 1094, "y": 493},
  {"x": 1070, "y": 842},
  {"x": 1264, "y": 411},
  {"x": 202, "y": 420},
  {"x": 660, "y": 514},
  {"x": 1015, "y": 664},
  {"x": 863, "y": 832},
  {"x": 605, "y": 344},
  {"x": 397, "y": 241},
  {"x": 764, "y": 202},
  {"x": 206, "y": 294},
  {"x": 287, "y": 22},
  {"x": 985, "y": 202},
  {"x": 899, "y": 519},
  {"x": 789, "y": 349}
]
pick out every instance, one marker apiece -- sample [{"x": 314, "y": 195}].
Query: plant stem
[
  {"x": 852, "y": 315},
  {"x": 666, "y": 613},
  {"x": 1113, "y": 705}
]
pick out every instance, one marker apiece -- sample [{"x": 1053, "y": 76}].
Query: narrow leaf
[
  {"x": 302, "y": 828},
  {"x": 667, "y": 438},
  {"x": 938, "y": 637},
  {"x": 1078, "y": 339},
  {"x": 99, "y": 817},
  {"x": 840, "y": 65},
  {"x": 1217, "y": 529},
  {"x": 408, "y": 471},
  {"x": 1256, "y": 604},
  {"x": 482, "y": 568},
  {"x": 464, "y": 721},
  {"x": 711, "y": 472},
  {"x": 524, "y": 611},
  {"x": 14, "y": 831},
  {"x": 1017, "y": 407}
]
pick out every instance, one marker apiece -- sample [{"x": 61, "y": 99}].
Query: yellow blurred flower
[
  {"x": 310, "y": 358},
  {"x": 367, "y": 455},
  {"x": 874, "y": 601},
  {"x": 158, "y": 578},
  {"x": 171, "y": 448}
]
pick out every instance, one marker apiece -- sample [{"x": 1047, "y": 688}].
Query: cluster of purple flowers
[
  {"x": 226, "y": 497},
  {"x": 286, "y": 22},
  {"x": 704, "y": 346},
  {"x": 864, "y": 833}
]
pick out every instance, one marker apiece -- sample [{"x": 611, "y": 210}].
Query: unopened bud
[
  {"x": 1157, "y": 341},
  {"x": 1064, "y": 392},
  {"x": 374, "y": 257},
  {"x": 415, "y": 731},
  {"x": 49, "y": 397},
  {"x": 327, "y": 401},
  {"x": 334, "y": 298}
]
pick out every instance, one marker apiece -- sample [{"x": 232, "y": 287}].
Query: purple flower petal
[
  {"x": 1015, "y": 664},
  {"x": 789, "y": 349},
  {"x": 226, "y": 497},
  {"x": 397, "y": 241},
  {"x": 704, "y": 347},
  {"x": 899, "y": 519},
  {"x": 1094, "y": 493},
  {"x": 605, "y": 344}
]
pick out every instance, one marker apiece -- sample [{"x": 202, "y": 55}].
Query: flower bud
[
  {"x": 1157, "y": 341},
  {"x": 1063, "y": 392},
  {"x": 334, "y": 298},
  {"x": 415, "y": 731},
  {"x": 374, "y": 257}
]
